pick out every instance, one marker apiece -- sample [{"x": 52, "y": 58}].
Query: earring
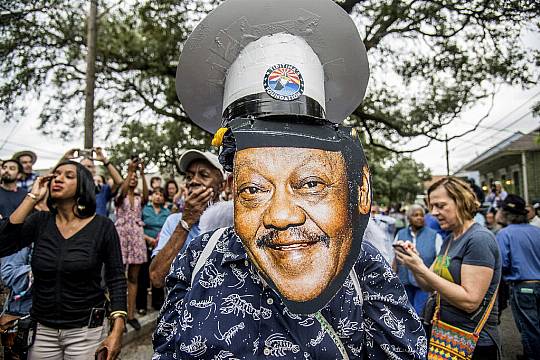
[{"x": 79, "y": 206}]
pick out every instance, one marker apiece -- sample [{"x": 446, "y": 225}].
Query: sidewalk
[{"x": 148, "y": 324}]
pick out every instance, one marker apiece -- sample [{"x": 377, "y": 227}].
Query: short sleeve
[
  {"x": 177, "y": 284},
  {"x": 166, "y": 232},
  {"x": 392, "y": 328},
  {"x": 481, "y": 250},
  {"x": 503, "y": 240}
]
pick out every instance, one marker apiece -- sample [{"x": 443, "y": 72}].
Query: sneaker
[{"x": 134, "y": 323}]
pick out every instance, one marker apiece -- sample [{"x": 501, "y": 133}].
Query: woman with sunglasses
[{"x": 71, "y": 246}]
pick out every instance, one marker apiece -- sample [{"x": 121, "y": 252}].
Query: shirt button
[
  {"x": 246, "y": 262},
  {"x": 269, "y": 301},
  {"x": 266, "y": 351}
]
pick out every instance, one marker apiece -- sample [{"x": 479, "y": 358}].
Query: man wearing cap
[
  {"x": 28, "y": 176},
  {"x": 293, "y": 278},
  {"x": 519, "y": 242},
  {"x": 204, "y": 181}
]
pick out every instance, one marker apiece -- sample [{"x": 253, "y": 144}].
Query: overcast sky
[{"x": 511, "y": 112}]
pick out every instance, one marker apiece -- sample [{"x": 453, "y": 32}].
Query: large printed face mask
[
  {"x": 301, "y": 212},
  {"x": 279, "y": 83},
  {"x": 291, "y": 211}
]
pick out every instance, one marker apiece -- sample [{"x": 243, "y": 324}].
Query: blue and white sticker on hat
[{"x": 283, "y": 82}]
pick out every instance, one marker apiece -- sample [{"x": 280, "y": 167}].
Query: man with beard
[
  {"x": 10, "y": 195},
  {"x": 293, "y": 278}
]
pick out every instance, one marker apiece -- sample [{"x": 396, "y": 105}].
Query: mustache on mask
[{"x": 296, "y": 233}]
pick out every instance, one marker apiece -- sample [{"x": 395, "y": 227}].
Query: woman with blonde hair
[{"x": 467, "y": 270}]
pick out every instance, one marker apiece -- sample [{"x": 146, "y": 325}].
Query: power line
[
  {"x": 33, "y": 147},
  {"x": 503, "y": 117},
  {"x": 9, "y": 135},
  {"x": 491, "y": 135}
]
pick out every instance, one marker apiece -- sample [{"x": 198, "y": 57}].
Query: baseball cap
[
  {"x": 514, "y": 204},
  {"x": 191, "y": 155}
]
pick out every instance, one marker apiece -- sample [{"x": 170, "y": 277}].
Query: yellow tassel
[{"x": 218, "y": 137}]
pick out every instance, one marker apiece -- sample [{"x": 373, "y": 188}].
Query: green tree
[
  {"x": 396, "y": 178},
  {"x": 430, "y": 60}
]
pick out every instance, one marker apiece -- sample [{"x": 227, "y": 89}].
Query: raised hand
[
  {"x": 196, "y": 203},
  {"x": 41, "y": 186}
]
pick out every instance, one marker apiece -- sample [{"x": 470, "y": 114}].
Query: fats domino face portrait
[
  {"x": 301, "y": 211},
  {"x": 277, "y": 87}
]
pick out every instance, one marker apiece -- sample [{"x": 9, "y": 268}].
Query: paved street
[{"x": 141, "y": 349}]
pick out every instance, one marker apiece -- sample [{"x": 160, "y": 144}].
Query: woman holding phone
[
  {"x": 71, "y": 246},
  {"x": 467, "y": 271}
]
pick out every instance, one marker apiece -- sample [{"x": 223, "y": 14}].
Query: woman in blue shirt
[{"x": 154, "y": 215}]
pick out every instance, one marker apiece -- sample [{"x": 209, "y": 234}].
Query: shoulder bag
[{"x": 450, "y": 342}]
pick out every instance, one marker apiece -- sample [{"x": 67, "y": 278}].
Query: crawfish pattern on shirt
[{"x": 230, "y": 314}]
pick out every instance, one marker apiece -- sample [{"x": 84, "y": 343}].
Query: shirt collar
[{"x": 235, "y": 250}]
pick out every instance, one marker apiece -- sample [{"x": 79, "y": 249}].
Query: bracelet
[
  {"x": 116, "y": 314},
  {"x": 32, "y": 196},
  {"x": 185, "y": 225}
]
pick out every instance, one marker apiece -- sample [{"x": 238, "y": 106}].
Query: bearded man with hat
[
  {"x": 519, "y": 242},
  {"x": 292, "y": 279}
]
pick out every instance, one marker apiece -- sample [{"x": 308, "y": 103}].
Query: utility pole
[
  {"x": 90, "y": 76},
  {"x": 447, "y": 155}
]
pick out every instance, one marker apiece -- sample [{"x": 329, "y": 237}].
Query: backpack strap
[
  {"x": 207, "y": 251},
  {"x": 356, "y": 284}
]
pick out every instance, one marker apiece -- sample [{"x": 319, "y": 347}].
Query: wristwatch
[{"x": 185, "y": 225}]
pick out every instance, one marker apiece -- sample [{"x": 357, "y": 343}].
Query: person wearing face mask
[
  {"x": 204, "y": 182},
  {"x": 154, "y": 216},
  {"x": 71, "y": 245},
  {"x": 292, "y": 278},
  {"x": 129, "y": 205}
]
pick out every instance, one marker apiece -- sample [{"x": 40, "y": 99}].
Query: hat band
[{"x": 262, "y": 104}]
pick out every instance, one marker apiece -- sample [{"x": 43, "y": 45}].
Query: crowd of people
[{"x": 61, "y": 228}]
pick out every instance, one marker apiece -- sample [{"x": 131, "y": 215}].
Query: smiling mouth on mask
[{"x": 295, "y": 239}]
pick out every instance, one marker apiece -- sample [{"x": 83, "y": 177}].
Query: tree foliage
[
  {"x": 395, "y": 178},
  {"x": 430, "y": 60}
]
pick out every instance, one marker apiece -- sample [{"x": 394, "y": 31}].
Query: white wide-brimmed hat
[{"x": 255, "y": 57}]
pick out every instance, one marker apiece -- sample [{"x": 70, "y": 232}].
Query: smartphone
[
  {"x": 399, "y": 247},
  {"x": 102, "y": 354},
  {"x": 97, "y": 317},
  {"x": 86, "y": 153}
]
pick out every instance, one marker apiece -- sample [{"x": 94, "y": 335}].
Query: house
[{"x": 515, "y": 162}]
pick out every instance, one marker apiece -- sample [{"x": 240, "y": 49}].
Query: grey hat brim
[
  {"x": 216, "y": 42},
  {"x": 191, "y": 155},
  {"x": 32, "y": 154}
]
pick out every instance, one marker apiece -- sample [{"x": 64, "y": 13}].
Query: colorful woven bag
[{"x": 450, "y": 342}]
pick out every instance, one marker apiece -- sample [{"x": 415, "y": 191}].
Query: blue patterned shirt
[{"x": 229, "y": 313}]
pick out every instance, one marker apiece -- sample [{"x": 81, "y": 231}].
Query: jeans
[
  {"x": 525, "y": 302},
  {"x": 67, "y": 344}
]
